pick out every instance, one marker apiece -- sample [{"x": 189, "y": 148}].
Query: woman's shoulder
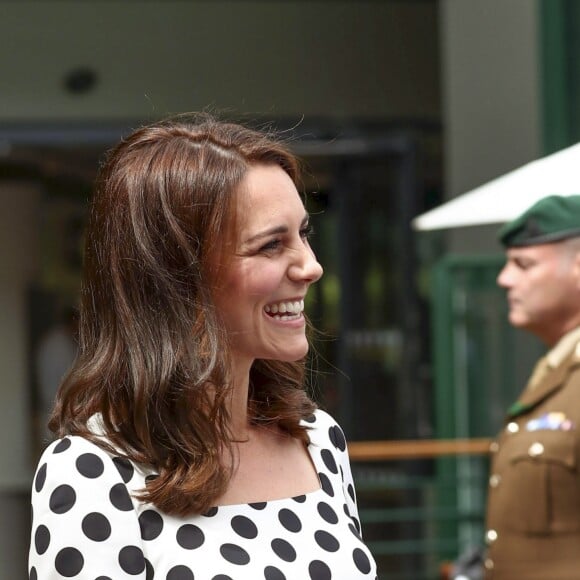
[
  {"x": 69, "y": 447},
  {"x": 324, "y": 430},
  {"x": 75, "y": 457},
  {"x": 84, "y": 456}
]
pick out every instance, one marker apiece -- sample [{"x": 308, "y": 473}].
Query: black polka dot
[
  {"x": 151, "y": 477},
  {"x": 180, "y": 573},
  {"x": 283, "y": 550},
  {"x": 103, "y": 578},
  {"x": 62, "y": 445},
  {"x": 151, "y": 524},
  {"x": 353, "y": 529},
  {"x": 329, "y": 460},
  {"x": 41, "y": 539},
  {"x": 289, "y": 520},
  {"x": 327, "y": 513},
  {"x": 69, "y": 562},
  {"x": 124, "y": 467},
  {"x": 244, "y": 527},
  {"x": 319, "y": 570},
  {"x": 259, "y": 505},
  {"x": 119, "y": 497},
  {"x": 131, "y": 560},
  {"x": 361, "y": 561},
  {"x": 149, "y": 571},
  {"x": 350, "y": 490},
  {"x": 234, "y": 554},
  {"x": 326, "y": 485},
  {"x": 40, "y": 478},
  {"x": 356, "y": 524},
  {"x": 299, "y": 498},
  {"x": 33, "y": 574},
  {"x": 211, "y": 512},
  {"x": 337, "y": 438},
  {"x": 222, "y": 577},
  {"x": 190, "y": 537},
  {"x": 326, "y": 541},
  {"x": 96, "y": 527},
  {"x": 90, "y": 465},
  {"x": 62, "y": 499},
  {"x": 310, "y": 418},
  {"x": 272, "y": 573},
  {"x": 341, "y": 473}
]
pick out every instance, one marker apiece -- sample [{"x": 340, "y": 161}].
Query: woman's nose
[{"x": 306, "y": 267}]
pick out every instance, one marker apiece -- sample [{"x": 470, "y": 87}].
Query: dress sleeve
[
  {"x": 331, "y": 436},
  {"x": 347, "y": 478},
  {"x": 84, "y": 524}
]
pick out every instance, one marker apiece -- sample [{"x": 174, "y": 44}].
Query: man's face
[{"x": 542, "y": 289}]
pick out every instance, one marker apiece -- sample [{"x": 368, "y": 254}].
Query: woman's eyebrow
[{"x": 276, "y": 230}]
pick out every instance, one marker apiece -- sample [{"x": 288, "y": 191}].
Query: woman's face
[{"x": 261, "y": 290}]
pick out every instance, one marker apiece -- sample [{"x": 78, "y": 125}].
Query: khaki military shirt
[{"x": 533, "y": 507}]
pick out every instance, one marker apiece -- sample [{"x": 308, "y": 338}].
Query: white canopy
[{"x": 506, "y": 197}]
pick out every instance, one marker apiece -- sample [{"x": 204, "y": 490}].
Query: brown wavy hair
[{"x": 153, "y": 358}]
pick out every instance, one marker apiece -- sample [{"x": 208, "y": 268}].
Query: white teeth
[{"x": 295, "y": 307}]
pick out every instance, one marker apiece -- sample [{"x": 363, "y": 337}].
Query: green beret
[{"x": 551, "y": 219}]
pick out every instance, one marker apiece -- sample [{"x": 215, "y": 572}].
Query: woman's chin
[{"x": 291, "y": 354}]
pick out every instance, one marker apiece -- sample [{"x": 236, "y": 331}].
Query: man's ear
[{"x": 576, "y": 269}]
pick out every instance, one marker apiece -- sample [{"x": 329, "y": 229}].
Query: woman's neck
[{"x": 239, "y": 400}]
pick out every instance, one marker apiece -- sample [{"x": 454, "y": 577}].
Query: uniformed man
[{"x": 533, "y": 513}]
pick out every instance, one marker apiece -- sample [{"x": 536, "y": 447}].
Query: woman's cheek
[{"x": 264, "y": 280}]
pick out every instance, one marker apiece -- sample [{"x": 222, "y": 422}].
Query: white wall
[
  {"x": 491, "y": 98},
  {"x": 291, "y": 57},
  {"x": 490, "y": 84}
]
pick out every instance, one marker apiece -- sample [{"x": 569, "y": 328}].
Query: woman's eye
[
  {"x": 275, "y": 244},
  {"x": 306, "y": 232},
  {"x": 270, "y": 246}
]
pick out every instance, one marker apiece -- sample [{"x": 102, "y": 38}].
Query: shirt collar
[{"x": 563, "y": 347}]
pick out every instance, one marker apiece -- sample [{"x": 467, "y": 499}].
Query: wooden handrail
[{"x": 416, "y": 449}]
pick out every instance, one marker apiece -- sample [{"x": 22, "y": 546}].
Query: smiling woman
[
  {"x": 187, "y": 446},
  {"x": 270, "y": 271}
]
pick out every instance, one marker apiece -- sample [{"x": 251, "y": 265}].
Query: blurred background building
[{"x": 395, "y": 106}]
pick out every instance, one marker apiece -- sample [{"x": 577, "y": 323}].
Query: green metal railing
[{"x": 408, "y": 523}]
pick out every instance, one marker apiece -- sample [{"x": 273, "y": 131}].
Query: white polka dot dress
[{"x": 88, "y": 525}]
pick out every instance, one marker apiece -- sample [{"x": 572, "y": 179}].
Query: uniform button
[
  {"x": 494, "y": 447},
  {"x": 513, "y": 427},
  {"x": 490, "y": 536},
  {"x": 494, "y": 480},
  {"x": 535, "y": 449},
  {"x": 488, "y": 564}
]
